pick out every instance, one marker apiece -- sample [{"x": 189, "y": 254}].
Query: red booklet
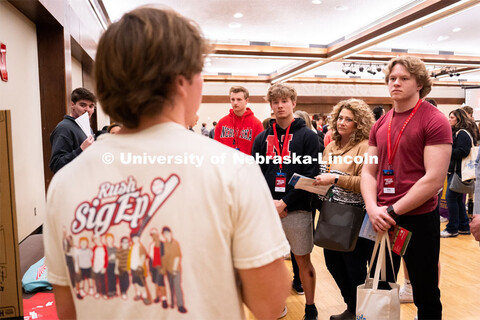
[{"x": 399, "y": 238}]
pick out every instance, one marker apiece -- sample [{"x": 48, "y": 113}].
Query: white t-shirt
[{"x": 219, "y": 210}]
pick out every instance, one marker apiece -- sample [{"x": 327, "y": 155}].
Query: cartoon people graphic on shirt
[
  {"x": 70, "y": 256},
  {"x": 173, "y": 264},
  {"x": 111, "y": 277},
  {"x": 157, "y": 269},
  {"x": 84, "y": 265},
  {"x": 99, "y": 266},
  {"x": 97, "y": 270},
  {"x": 121, "y": 266},
  {"x": 137, "y": 258}
]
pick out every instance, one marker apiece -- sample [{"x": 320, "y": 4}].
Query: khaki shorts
[{"x": 298, "y": 228}]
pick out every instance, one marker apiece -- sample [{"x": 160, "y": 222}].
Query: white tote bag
[
  {"x": 374, "y": 303},
  {"x": 468, "y": 163}
]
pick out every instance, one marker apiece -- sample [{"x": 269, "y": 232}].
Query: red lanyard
[
  {"x": 391, "y": 154},
  {"x": 277, "y": 143}
]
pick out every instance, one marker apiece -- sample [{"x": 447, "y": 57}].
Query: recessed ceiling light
[
  {"x": 442, "y": 38},
  {"x": 316, "y": 2},
  {"x": 238, "y": 15},
  {"x": 457, "y": 29},
  {"x": 234, "y": 25},
  {"x": 341, "y": 8}
]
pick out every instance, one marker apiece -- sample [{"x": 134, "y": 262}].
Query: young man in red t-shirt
[
  {"x": 239, "y": 128},
  {"x": 402, "y": 188}
]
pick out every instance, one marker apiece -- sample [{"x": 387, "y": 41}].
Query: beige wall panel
[
  {"x": 102, "y": 118},
  {"x": 22, "y": 96},
  {"x": 222, "y": 88},
  {"x": 77, "y": 80},
  {"x": 212, "y": 111}
]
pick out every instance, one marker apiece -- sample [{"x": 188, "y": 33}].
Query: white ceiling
[{"x": 301, "y": 23}]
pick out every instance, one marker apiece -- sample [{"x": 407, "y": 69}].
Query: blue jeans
[{"x": 458, "y": 219}]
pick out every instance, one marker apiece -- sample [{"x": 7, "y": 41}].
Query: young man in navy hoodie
[
  {"x": 68, "y": 140},
  {"x": 286, "y": 138},
  {"x": 239, "y": 127}
]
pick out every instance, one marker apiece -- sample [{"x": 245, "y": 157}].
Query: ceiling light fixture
[
  {"x": 354, "y": 67},
  {"x": 341, "y": 8},
  {"x": 238, "y": 15},
  {"x": 349, "y": 69},
  {"x": 457, "y": 29},
  {"x": 442, "y": 38},
  {"x": 370, "y": 70},
  {"x": 316, "y": 2}
]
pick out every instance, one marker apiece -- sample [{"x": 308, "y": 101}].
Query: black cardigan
[{"x": 462, "y": 143}]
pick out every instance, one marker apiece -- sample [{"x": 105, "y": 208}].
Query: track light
[{"x": 353, "y": 68}]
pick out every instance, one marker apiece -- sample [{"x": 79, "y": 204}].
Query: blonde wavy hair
[
  {"x": 362, "y": 117},
  {"x": 416, "y": 68}
]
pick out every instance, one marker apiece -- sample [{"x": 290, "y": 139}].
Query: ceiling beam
[
  {"x": 427, "y": 58},
  {"x": 404, "y": 18},
  {"x": 224, "y": 78},
  {"x": 321, "y": 99},
  {"x": 318, "y": 80},
  {"x": 371, "y": 36},
  {"x": 269, "y": 51}
]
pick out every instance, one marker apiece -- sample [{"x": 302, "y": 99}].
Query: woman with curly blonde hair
[{"x": 351, "y": 121}]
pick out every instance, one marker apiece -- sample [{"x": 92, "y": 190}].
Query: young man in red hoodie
[{"x": 239, "y": 128}]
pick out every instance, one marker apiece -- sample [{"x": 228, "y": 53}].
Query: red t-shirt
[{"x": 427, "y": 127}]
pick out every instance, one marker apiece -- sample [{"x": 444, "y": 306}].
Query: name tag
[
  {"x": 280, "y": 182},
  {"x": 389, "y": 184}
]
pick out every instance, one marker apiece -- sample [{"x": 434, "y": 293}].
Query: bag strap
[
  {"x": 471, "y": 138},
  {"x": 374, "y": 254},
  {"x": 381, "y": 266},
  {"x": 391, "y": 258},
  {"x": 473, "y": 145},
  {"x": 380, "y": 263}
]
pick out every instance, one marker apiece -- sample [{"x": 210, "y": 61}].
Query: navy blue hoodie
[
  {"x": 303, "y": 142},
  {"x": 66, "y": 140}
]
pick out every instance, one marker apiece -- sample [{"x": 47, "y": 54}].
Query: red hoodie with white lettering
[{"x": 238, "y": 132}]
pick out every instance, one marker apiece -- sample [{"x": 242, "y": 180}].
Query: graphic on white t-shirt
[{"x": 128, "y": 271}]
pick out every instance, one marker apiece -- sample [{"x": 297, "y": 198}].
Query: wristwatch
[
  {"x": 336, "y": 178},
  {"x": 391, "y": 212}
]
